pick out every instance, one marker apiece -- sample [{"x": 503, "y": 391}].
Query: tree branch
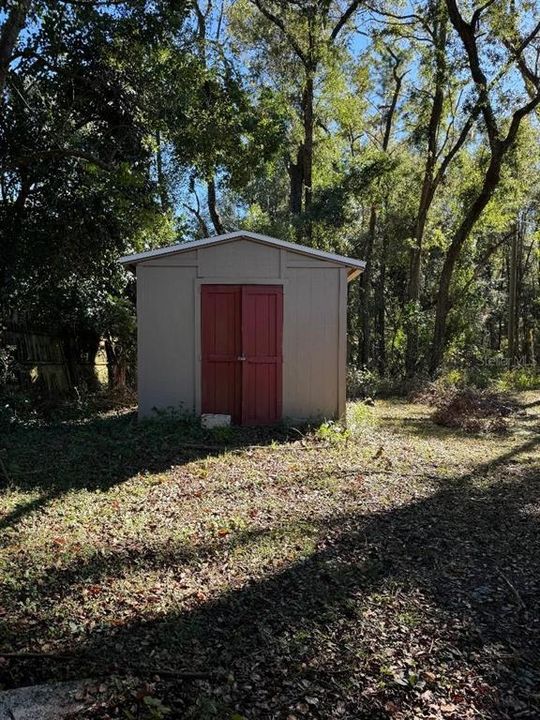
[
  {"x": 262, "y": 5},
  {"x": 527, "y": 40},
  {"x": 197, "y": 211},
  {"x": 518, "y": 116},
  {"x": 349, "y": 12},
  {"x": 64, "y": 153},
  {"x": 462, "y": 137},
  {"x": 9, "y": 36},
  {"x": 481, "y": 263},
  {"x": 478, "y": 12},
  {"x": 466, "y": 33},
  {"x": 407, "y": 19},
  {"x": 199, "y": 218}
]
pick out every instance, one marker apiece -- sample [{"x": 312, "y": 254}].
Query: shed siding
[
  {"x": 166, "y": 363},
  {"x": 314, "y": 295},
  {"x": 185, "y": 259},
  {"x": 311, "y": 343},
  {"x": 240, "y": 258},
  {"x": 299, "y": 260}
]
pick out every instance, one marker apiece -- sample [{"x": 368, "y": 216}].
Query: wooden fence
[{"x": 52, "y": 362}]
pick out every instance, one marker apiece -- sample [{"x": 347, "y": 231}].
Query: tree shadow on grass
[
  {"x": 430, "y": 605},
  {"x": 52, "y": 459}
]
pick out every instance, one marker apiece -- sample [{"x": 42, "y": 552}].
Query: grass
[{"x": 389, "y": 571}]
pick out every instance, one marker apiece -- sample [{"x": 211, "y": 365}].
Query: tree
[
  {"x": 500, "y": 139},
  {"x": 219, "y": 133},
  {"x": 76, "y": 166},
  {"x": 395, "y": 61},
  {"x": 17, "y": 13},
  {"x": 310, "y": 31}
]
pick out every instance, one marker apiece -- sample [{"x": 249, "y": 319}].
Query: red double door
[{"x": 241, "y": 344}]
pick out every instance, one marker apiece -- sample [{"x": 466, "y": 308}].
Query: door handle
[{"x": 241, "y": 357}]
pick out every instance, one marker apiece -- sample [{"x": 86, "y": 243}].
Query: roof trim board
[{"x": 356, "y": 266}]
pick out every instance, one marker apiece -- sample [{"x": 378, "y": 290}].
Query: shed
[{"x": 245, "y": 325}]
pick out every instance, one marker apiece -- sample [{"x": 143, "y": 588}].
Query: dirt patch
[{"x": 51, "y": 701}]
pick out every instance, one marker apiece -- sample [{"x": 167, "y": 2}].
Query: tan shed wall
[
  {"x": 185, "y": 259},
  {"x": 314, "y": 324},
  {"x": 166, "y": 365},
  {"x": 241, "y": 258},
  {"x": 311, "y": 343}
]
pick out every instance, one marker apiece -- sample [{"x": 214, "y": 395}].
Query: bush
[
  {"x": 522, "y": 378},
  {"x": 359, "y": 416},
  {"x": 332, "y": 433},
  {"x": 526, "y": 377},
  {"x": 16, "y": 408},
  {"x": 8, "y": 364},
  {"x": 361, "y": 383}
]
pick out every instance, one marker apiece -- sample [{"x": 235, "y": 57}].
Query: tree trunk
[
  {"x": 116, "y": 366},
  {"x": 162, "y": 184},
  {"x": 307, "y": 106},
  {"x": 301, "y": 171},
  {"x": 9, "y": 35},
  {"x": 13, "y": 229},
  {"x": 380, "y": 293},
  {"x": 365, "y": 279},
  {"x": 366, "y": 294},
  {"x": 296, "y": 177},
  {"x": 490, "y": 183},
  {"x": 512, "y": 300},
  {"x": 202, "y": 18},
  {"x": 429, "y": 185},
  {"x": 71, "y": 359},
  {"x": 212, "y": 207},
  {"x": 413, "y": 288}
]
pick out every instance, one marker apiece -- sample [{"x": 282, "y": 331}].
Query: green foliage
[
  {"x": 522, "y": 378},
  {"x": 332, "y": 432},
  {"x": 359, "y": 417},
  {"x": 115, "y": 120},
  {"x": 362, "y": 383},
  {"x": 76, "y": 166}
]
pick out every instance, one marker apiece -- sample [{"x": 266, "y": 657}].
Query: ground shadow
[
  {"x": 50, "y": 459},
  {"x": 434, "y": 602}
]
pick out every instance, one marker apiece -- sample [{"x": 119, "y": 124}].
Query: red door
[
  {"x": 262, "y": 324},
  {"x": 242, "y": 352},
  {"x": 221, "y": 346}
]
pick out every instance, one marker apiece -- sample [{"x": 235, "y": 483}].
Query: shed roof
[{"x": 356, "y": 266}]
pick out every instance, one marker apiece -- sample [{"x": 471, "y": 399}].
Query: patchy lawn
[{"x": 394, "y": 573}]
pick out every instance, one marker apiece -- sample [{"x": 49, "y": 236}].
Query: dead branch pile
[{"x": 470, "y": 409}]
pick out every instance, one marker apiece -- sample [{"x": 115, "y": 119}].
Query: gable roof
[{"x": 357, "y": 266}]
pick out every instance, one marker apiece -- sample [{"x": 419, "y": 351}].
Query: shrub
[
  {"x": 521, "y": 378},
  {"x": 332, "y": 433},
  {"x": 362, "y": 383},
  {"x": 359, "y": 416},
  {"x": 16, "y": 408},
  {"x": 29, "y": 406}
]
